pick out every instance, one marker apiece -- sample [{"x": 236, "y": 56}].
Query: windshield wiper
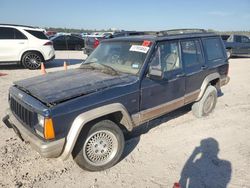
[
  {"x": 95, "y": 65},
  {"x": 87, "y": 66}
]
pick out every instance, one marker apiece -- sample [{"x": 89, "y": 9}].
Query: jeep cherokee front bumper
[{"x": 48, "y": 149}]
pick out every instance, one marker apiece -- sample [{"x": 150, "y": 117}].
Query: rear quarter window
[
  {"x": 213, "y": 49},
  {"x": 37, "y": 34}
]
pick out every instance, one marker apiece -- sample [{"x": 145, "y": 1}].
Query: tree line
[{"x": 72, "y": 30}]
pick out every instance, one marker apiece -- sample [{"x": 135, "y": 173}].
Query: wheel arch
[
  {"x": 211, "y": 79},
  {"x": 27, "y": 51},
  {"x": 115, "y": 112}
]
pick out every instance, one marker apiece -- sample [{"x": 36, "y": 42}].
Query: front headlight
[
  {"x": 40, "y": 119},
  {"x": 45, "y": 127}
]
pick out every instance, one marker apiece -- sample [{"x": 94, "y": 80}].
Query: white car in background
[{"x": 25, "y": 45}]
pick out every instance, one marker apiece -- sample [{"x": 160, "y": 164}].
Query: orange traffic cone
[
  {"x": 43, "y": 69},
  {"x": 177, "y": 185},
  {"x": 65, "y": 65}
]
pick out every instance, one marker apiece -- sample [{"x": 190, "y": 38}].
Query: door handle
[
  {"x": 204, "y": 67},
  {"x": 180, "y": 75}
]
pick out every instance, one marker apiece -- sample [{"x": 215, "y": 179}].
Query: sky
[{"x": 222, "y": 15}]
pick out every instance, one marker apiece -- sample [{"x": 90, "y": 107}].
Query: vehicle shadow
[
  {"x": 60, "y": 62},
  {"x": 10, "y": 66},
  {"x": 133, "y": 138},
  {"x": 240, "y": 57},
  {"x": 204, "y": 168}
]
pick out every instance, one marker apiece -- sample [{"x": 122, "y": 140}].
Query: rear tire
[
  {"x": 207, "y": 103},
  {"x": 32, "y": 60},
  {"x": 100, "y": 147}
]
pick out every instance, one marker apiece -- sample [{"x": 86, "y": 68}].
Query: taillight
[
  {"x": 96, "y": 43},
  {"x": 48, "y": 43}
]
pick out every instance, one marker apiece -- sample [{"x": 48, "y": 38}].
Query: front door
[
  {"x": 12, "y": 42},
  {"x": 159, "y": 96}
]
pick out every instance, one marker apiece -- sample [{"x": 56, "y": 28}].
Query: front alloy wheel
[{"x": 100, "y": 147}]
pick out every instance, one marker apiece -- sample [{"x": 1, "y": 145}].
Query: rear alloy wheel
[
  {"x": 207, "y": 103},
  {"x": 32, "y": 60},
  {"x": 101, "y": 148}
]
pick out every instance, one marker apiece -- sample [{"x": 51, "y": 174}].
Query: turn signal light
[{"x": 49, "y": 132}]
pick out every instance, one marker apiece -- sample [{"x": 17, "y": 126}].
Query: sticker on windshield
[{"x": 138, "y": 48}]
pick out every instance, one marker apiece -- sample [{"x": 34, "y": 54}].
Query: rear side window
[
  {"x": 213, "y": 48},
  {"x": 37, "y": 34},
  {"x": 245, "y": 39},
  {"x": 191, "y": 53},
  {"x": 11, "y": 33},
  {"x": 19, "y": 35},
  {"x": 59, "y": 38}
]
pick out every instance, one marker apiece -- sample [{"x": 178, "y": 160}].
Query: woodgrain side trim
[{"x": 149, "y": 114}]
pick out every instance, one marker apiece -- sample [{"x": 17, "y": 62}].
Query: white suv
[{"x": 26, "y": 45}]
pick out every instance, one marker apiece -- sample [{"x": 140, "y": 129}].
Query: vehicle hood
[{"x": 57, "y": 87}]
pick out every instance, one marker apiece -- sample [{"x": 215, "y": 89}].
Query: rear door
[
  {"x": 195, "y": 67},
  {"x": 242, "y": 45},
  {"x": 12, "y": 42},
  {"x": 245, "y": 45},
  {"x": 75, "y": 43},
  {"x": 60, "y": 43},
  {"x": 159, "y": 96}
]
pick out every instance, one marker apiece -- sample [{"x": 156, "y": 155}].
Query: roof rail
[
  {"x": 18, "y": 25},
  {"x": 180, "y": 31}
]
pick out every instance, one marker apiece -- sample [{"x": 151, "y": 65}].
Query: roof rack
[
  {"x": 180, "y": 32},
  {"x": 18, "y": 25}
]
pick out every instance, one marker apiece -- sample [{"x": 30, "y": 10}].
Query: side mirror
[{"x": 155, "y": 73}]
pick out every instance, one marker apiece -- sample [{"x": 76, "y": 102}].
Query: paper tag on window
[
  {"x": 138, "y": 48},
  {"x": 135, "y": 66}
]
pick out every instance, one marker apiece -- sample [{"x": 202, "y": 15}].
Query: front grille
[{"x": 26, "y": 116}]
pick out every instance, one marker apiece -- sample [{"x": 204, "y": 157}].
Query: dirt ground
[{"x": 214, "y": 150}]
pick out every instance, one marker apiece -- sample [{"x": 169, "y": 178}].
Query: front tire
[
  {"x": 207, "y": 103},
  {"x": 32, "y": 60},
  {"x": 100, "y": 148}
]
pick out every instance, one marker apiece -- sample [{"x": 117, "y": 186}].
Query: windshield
[{"x": 126, "y": 57}]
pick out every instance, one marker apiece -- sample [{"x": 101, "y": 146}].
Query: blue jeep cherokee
[{"x": 125, "y": 82}]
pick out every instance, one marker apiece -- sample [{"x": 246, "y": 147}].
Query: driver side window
[{"x": 166, "y": 57}]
